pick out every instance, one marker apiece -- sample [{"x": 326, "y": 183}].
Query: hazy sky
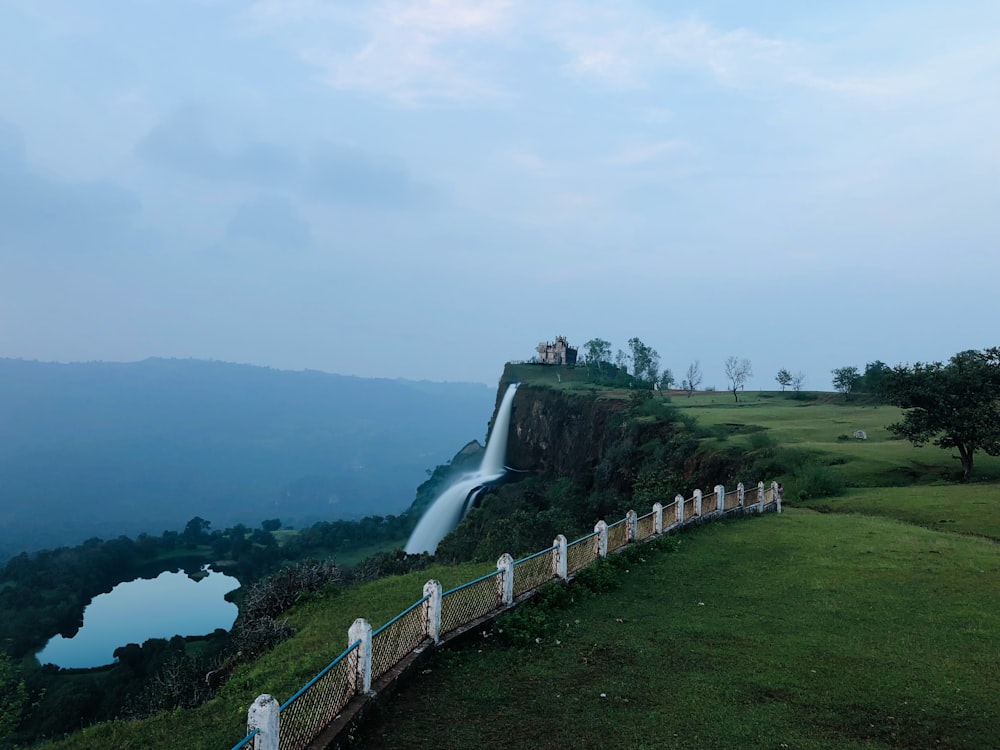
[{"x": 428, "y": 189}]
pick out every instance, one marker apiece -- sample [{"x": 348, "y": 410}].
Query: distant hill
[{"x": 102, "y": 449}]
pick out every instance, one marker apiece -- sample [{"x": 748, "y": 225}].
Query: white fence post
[
  {"x": 740, "y": 493},
  {"x": 697, "y": 503},
  {"x": 657, "y": 518},
  {"x": 362, "y": 631},
  {"x": 263, "y": 716},
  {"x": 776, "y": 492},
  {"x": 602, "y": 538},
  {"x": 678, "y": 508},
  {"x": 559, "y": 567},
  {"x": 505, "y": 582},
  {"x": 432, "y": 610},
  {"x": 760, "y": 497},
  {"x": 631, "y": 526},
  {"x": 720, "y": 498}
]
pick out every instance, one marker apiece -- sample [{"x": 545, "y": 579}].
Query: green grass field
[
  {"x": 823, "y": 425},
  {"x": 870, "y": 619},
  {"x": 866, "y": 620},
  {"x": 801, "y": 631}
]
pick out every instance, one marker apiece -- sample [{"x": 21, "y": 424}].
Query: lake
[{"x": 133, "y": 612}]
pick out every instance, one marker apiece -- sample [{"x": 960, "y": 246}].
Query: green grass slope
[
  {"x": 794, "y": 631},
  {"x": 322, "y": 622},
  {"x": 865, "y": 620},
  {"x": 870, "y": 619}
]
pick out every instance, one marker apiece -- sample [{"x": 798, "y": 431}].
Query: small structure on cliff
[{"x": 558, "y": 353}]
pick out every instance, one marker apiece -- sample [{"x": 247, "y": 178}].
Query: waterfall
[{"x": 448, "y": 508}]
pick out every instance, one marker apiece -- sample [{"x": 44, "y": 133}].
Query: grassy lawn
[
  {"x": 962, "y": 508},
  {"x": 866, "y": 620},
  {"x": 801, "y": 630},
  {"x": 823, "y": 425}
]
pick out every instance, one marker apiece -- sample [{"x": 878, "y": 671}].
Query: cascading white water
[{"x": 448, "y": 508}]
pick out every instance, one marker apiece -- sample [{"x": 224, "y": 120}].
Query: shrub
[{"x": 811, "y": 479}]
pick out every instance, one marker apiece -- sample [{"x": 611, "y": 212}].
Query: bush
[
  {"x": 599, "y": 577},
  {"x": 536, "y": 619},
  {"x": 811, "y": 479}
]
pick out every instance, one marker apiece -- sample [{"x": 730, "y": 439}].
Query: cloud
[
  {"x": 270, "y": 220},
  {"x": 38, "y": 213},
  {"x": 182, "y": 142},
  {"x": 333, "y": 172},
  {"x": 628, "y": 48},
  {"x": 351, "y": 176},
  {"x": 411, "y": 52}
]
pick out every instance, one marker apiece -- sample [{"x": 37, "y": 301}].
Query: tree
[
  {"x": 784, "y": 378},
  {"x": 271, "y": 524},
  {"x": 621, "y": 359},
  {"x": 873, "y": 380},
  {"x": 845, "y": 379},
  {"x": 645, "y": 360},
  {"x": 598, "y": 352},
  {"x": 692, "y": 378},
  {"x": 13, "y": 697},
  {"x": 666, "y": 378},
  {"x": 797, "y": 380},
  {"x": 738, "y": 371},
  {"x": 953, "y": 405},
  {"x": 196, "y": 530}
]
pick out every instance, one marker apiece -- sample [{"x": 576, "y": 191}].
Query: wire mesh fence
[
  {"x": 531, "y": 572},
  {"x": 397, "y": 638},
  {"x": 645, "y": 526},
  {"x": 581, "y": 553},
  {"x": 670, "y": 513},
  {"x": 732, "y": 500},
  {"x": 688, "y": 509},
  {"x": 617, "y": 535},
  {"x": 470, "y": 601},
  {"x": 313, "y": 707},
  {"x": 305, "y": 714}
]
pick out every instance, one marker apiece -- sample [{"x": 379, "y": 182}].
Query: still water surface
[{"x": 133, "y": 612}]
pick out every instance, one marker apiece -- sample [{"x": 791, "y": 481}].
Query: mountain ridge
[{"x": 104, "y": 448}]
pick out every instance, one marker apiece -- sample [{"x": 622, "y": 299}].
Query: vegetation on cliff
[{"x": 585, "y": 444}]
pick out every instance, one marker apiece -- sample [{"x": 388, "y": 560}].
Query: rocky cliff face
[{"x": 553, "y": 433}]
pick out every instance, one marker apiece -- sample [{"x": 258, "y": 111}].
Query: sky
[{"x": 427, "y": 189}]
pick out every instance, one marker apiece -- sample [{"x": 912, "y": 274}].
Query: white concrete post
[
  {"x": 760, "y": 497},
  {"x": 697, "y": 503},
  {"x": 720, "y": 498},
  {"x": 740, "y": 493},
  {"x": 505, "y": 581},
  {"x": 777, "y": 495},
  {"x": 263, "y": 716},
  {"x": 602, "y": 538},
  {"x": 362, "y": 631},
  {"x": 432, "y": 610},
  {"x": 559, "y": 561},
  {"x": 657, "y": 518},
  {"x": 631, "y": 526},
  {"x": 678, "y": 508}
]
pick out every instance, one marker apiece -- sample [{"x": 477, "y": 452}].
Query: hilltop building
[{"x": 558, "y": 353}]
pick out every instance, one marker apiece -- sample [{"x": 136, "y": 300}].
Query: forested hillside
[{"x": 102, "y": 449}]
